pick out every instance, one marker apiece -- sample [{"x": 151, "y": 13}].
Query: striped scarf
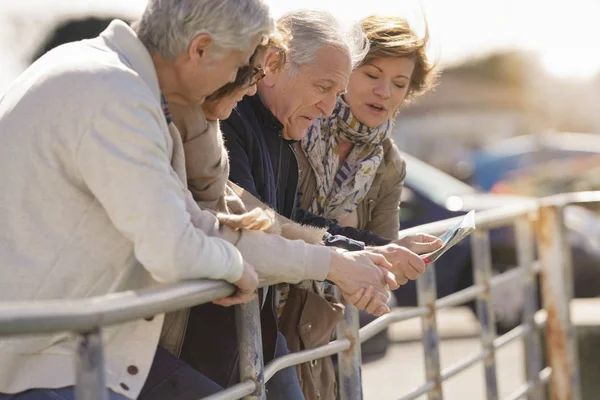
[{"x": 341, "y": 188}]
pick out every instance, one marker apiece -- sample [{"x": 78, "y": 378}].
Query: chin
[
  {"x": 225, "y": 114},
  {"x": 295, "y": 133},
  {"x": 372, "y": 122}
]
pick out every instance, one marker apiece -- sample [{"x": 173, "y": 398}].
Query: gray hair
[
  {"x": 312, "y": 29},
  {"x": 168, "y": 27}
]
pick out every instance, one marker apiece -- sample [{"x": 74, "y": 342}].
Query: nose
[
  {"x": 383, "y": 90},
  {"x": 251, "y": 90},
  {"x": 327, "y": 104}
]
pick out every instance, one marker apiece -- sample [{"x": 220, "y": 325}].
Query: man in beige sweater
[
  {"x": 90, "y": 202},
  {"x": 94, "y": 199}
]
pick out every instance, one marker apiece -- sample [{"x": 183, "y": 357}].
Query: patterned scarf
[{"x": 341, "y": 188}]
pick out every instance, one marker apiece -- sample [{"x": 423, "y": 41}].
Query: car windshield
[{"x": 431, "y": 182}]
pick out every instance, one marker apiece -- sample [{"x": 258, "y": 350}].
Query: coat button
[
  {"x": 132, "y": 370},
  {"x": 308, "y": 327},
  {"x": 149, "y": 318},
  {"x": 124, "y": 386}
]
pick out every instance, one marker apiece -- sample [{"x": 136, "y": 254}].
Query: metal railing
[{"x": 540, "y": 223}]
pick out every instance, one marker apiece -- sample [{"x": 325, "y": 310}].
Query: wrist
[{"x": 334, "y": 266}]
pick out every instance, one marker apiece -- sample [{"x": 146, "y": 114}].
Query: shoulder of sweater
[{"x": 83, "y": 68}]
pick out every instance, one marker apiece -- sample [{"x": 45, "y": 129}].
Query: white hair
[
  {"x": 310, "y": 30},
  {"x": 168, "y": 27}
]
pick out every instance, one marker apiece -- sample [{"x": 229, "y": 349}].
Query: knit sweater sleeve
[{"x": 125, "y": 161}]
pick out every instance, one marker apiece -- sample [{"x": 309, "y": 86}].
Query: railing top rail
[
  {"x": 46, "y": 316},
  {"x": 497, "y": 217}
]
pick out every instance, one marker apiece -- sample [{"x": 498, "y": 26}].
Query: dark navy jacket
[{"x": 264, "y": 163}]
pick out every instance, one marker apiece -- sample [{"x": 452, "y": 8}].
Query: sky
[{"x": 564, "y": 33}]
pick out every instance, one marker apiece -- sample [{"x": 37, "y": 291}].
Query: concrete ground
[{"x": 402, "y": 369}]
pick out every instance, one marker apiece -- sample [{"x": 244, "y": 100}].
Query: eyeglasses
[
  {"x": 258, "y": 74},
  {"x": 249, "y": 75}
]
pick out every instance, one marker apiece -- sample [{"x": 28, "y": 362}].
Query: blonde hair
[{"x": 393, "y": 37}]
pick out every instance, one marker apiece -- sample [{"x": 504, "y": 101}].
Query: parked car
[
  {"x": 432, "y": 195},
  {"x": 495, "y": 162}
]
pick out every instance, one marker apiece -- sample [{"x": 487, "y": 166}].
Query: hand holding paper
[{"x": 451, "y": 237}]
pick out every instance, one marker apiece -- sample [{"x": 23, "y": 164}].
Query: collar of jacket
[
  {"x": 124, "y": 41},
  {"x": 266, "y": 118}
]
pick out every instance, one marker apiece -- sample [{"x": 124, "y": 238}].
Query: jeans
[
  {"x": 66, "y": 393},
  {"x": 284, "y": 384}
]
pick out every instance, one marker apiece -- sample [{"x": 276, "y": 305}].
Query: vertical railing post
[
  {"x": 427, "y": 295},
  {"x": 89, "y": 367},
  {"x": 556, "y": 280},
  {"x": 482, "y": 273},
  {"x": 349, "y": 361},
  {"x": 247, "y": 321},
  {"x": 525, "y": 241}
]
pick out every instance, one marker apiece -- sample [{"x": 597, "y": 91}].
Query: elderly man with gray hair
[
  {"x": 213, "y": 349},
  {"x": 94, "y": 198}
]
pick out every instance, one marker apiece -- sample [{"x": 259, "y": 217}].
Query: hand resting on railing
[
  {"x": 365, "y": 276},
  {"x": 246, "y": 287}
]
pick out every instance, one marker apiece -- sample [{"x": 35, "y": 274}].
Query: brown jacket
[
  {"x": 379, "y": 211},
  {"x": 307, "y": 322}
]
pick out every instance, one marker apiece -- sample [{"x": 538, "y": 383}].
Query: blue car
[
  {"x": 496, "y": 162},
  {"x": 431, "y": 195}
]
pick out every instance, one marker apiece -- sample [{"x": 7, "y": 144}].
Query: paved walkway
[{"x": 402, "y": 369}]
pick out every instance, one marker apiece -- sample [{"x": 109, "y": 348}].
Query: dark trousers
[
  {"x": 172, "y": 378},
  {"x": 284, "y": 384}
]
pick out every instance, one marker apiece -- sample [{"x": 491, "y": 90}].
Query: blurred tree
[
  {"x": 510, "y": 67},
  {"x": 72, "y": 30}
]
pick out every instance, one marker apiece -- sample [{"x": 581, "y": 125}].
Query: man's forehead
[{"x": 332, "y": 65}]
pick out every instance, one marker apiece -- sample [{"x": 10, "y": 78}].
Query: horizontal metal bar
[
  {"x": 373, "y": 328},
  {"x": 511, "y": 336},
  {"x": 540, "y": 319},
  {"x": 486, "y": 219},
  {"x": 428, "y": 387},
  {"x": 470, "y": 293},
  {"x": 460, "y": 297},
  {"x": 564, "y": 199},
  {"x": 526, "y": 388},
  {"x": 304, "y": 356},
  {"x": 507, "y": 276},
  {"x": 235, "y": 392},
  {"x": 500, "y": 342},
  {"x": 545, "y": 374},
  {"x": 464, "y": 364},
  {"x": 365, "y": 333},
  {"x": 83, "y": 315},
  {"x": 520, "y": 392}
]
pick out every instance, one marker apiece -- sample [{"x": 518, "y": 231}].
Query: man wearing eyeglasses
[{"x": 92, "y": 201}]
